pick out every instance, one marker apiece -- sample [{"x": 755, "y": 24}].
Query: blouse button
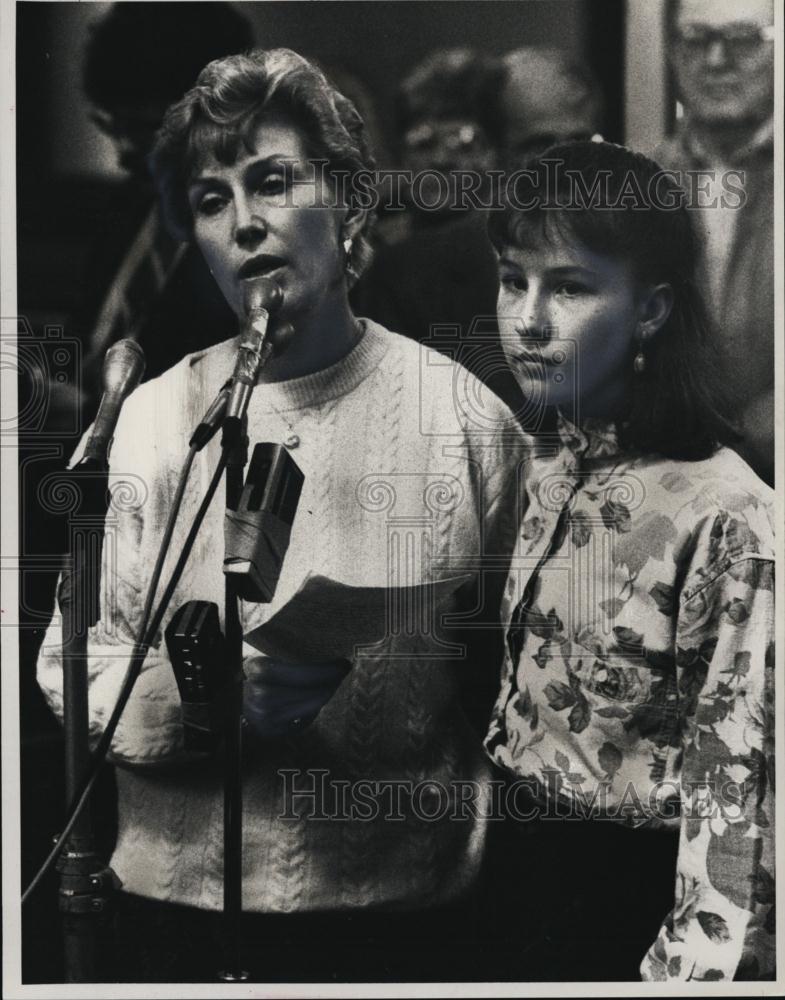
[{"x": 292, "y": 441}]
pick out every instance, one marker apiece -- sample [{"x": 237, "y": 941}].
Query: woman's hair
[
  {"x": 622, "y": 204},
  {"x": 219, "y": 115}
]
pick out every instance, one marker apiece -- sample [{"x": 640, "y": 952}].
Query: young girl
[{"x": 638, "y": 682}]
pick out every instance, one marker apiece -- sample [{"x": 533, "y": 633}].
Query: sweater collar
[
  {"x": 318, "y": 387},
  {"x": 329, "y": 383}
]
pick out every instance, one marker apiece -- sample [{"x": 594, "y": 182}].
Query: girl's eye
[
  {"x": 571, "y": 289},
  {"x": 514, "y": 283}
]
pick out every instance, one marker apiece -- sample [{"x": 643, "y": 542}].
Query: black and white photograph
[{"x": 392, "y": 497}]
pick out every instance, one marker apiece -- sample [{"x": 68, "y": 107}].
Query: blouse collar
[
  {"x": 570, "y": 444},
  {"x": 594, "y": 437}
]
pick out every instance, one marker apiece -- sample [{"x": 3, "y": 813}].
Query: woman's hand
[{"x": 281, "y": 697}]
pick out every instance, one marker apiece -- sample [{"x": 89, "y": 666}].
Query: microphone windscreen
[
  {"x": 124, "y": 365},
  {"x": 261, "y": 293},
  {"x": 122, "y": 372}
]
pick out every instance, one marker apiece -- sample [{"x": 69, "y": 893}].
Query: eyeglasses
[
  {"x": 738, "y": 39},
  {"x": 427, "y": 136}
]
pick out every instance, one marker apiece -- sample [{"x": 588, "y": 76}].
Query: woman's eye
[
  {"x": 271, "y": 185},
  {"x": 571, "y": 289},
  {"x": 210, "y": 204}
]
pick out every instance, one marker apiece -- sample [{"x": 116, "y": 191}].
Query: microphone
[
  {"x": 212, "y": 419},
  {"x": 262, "y": 297},
  {"x": 256, "y": 535},
  {"x": 124, "y": 366},
  {"x": 279, "y": 338}
]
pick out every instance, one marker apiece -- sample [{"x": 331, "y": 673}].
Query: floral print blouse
[{"x": 639, "y": 673}]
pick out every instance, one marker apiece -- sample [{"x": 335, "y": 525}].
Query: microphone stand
[
  {"x": 261, "y": 297},
  {"x": 235, "y": 442},
  {"x": 86, "y": 882}
]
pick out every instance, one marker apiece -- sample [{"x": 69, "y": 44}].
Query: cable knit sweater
[{"x": 409, "y": 470}]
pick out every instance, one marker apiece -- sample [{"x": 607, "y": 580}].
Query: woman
[
  {"x": 401, "y": 487},
  {"x": 639, "y": 671}
]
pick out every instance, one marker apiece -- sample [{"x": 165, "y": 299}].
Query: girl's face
[
  {"x": 568, "y": 319},
  {"x": 265, "y": 214}
]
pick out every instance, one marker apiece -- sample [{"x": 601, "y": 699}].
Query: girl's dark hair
[
  {"x": 221, "y": 112},
  {"x": 623, "y": 205}
]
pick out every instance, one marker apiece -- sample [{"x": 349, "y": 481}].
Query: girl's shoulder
[
  {"x": 721, "y": 483},
  {"x": 719, "y": 511}
]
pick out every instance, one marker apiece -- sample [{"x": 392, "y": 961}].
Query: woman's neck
[{"x": 320, "y": 339}]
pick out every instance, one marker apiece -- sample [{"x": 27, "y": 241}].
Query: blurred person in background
[
  {"x": 548, "y": 97},
  {"x": 449, "y": 121},
  {"x": 435, "y": 265},
  {"x": 722, "y": 57},
  {"x": 142, "y": 283}
]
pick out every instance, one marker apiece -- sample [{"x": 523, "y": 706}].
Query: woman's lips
[{"x": 261, "y": 264}]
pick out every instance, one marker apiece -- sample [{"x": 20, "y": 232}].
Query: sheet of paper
[{"x": 327, "y": 620}]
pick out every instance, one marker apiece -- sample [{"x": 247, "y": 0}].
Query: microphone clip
[{"x": 257, "y": 533}]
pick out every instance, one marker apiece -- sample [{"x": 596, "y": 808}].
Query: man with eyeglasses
[{"x": 722, "y": 57}]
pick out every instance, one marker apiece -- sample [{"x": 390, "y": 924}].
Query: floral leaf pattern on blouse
[
  {"x": 581, "y": 529},
  {"x": 640, "y": 665}
]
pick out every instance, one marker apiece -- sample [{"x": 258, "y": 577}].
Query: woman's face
[
  {"x": 567, "y": 319},
  {"x": 265, "y": 214}
]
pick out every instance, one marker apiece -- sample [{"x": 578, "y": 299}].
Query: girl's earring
[{"x": 639, "y": 363}]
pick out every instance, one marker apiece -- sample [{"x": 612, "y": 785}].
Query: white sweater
[{"x": 402, "y": 452}]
